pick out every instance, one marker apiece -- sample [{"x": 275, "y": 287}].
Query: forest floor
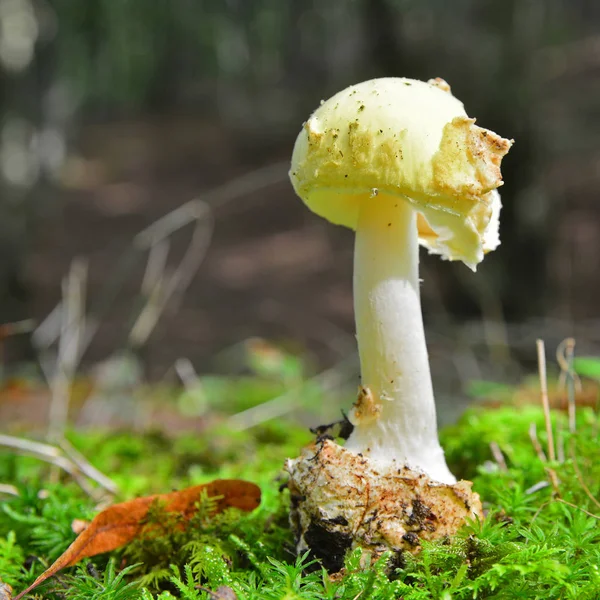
[{"x": 539, "y": 539}]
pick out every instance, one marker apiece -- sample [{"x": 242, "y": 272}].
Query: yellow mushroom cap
[{"x": 411, "y": 140}]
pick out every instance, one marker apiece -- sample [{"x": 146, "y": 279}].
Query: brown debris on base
[
  {"x": 340, "y": 500},
  {"x": 366, "y": 408}
]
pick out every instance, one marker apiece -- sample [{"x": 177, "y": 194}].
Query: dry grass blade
[
  {"x": 289, "y": 401},
  {"x": 50, "y": 454},
  {"x": 80, "y": 470},
  {"x": 579, "y": 475},
  {"x": 536, "y": 487},
  {"x": 88, "y": 469},
  {"x": 565, "y": 354},
  {"x": 587, "y": 512},
  {"x": 541, "y": 353},
  {"x": 72, "y": 327},
  {"x": 186, "y": 372},
  {"x": 155, "y": 266},
  {"x": 498, "y": 456},
  {"x": 16, "y": 328},
  {"x": 161, "y": 288},
  {"x": 9, "y": 329},
  {"x": 536, "y": 443},
  {"x": 546, "y": 405},
  {"x": 49, "y": 330},
  {"x": 8, "y": 490},
  {"x": 560, "y": 446}
]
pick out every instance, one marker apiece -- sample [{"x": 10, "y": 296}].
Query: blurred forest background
[{"x": 117, "y": 112}]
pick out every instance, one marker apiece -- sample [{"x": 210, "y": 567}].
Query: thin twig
[
  {"x": 190, "y": 212},
  {"x": 536, "y": 443},
  {"x": 540, "y": 485},
  {"x": 9, "y": 329},
  {"x": 498, "y": 456},
  {"x": 8, "y": 490},
  {"x": 579, "y": 476},
  {"x": 186, "y": 372},
  {"x": 554, "y": 480},
  {"x": 37, "y": 449},
  {"x": 49, "y": 330},
  {"x": 49, "y": 454},
  {"x": 148, "y": 317},
  {"x": 560, "y": 445},
  {"x": 16, "y": 328},
  {"x": 155, "y": 266},
  {"x": 539, "y": 510},
  {"x": 589, "y": 514},
  {"x": 88, "y": 469},
  {"x": 544, "y": 392},
  {"x": 73, "y": 312},
  {"x": 541, "y": 352},
  {"x": 171, "y": 288},
  {"x": 288, "y": 401},
  {"x": 532, "y": 428},
  {"x": 565, "y": 353}
]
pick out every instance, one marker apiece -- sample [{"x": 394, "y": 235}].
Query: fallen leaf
[{"x": 121, "y": 523}]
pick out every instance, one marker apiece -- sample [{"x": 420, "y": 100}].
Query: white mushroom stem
[{"x": 391, "y": 342}]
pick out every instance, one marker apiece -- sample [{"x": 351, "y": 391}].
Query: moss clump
[{"x": 536, "y": 542}]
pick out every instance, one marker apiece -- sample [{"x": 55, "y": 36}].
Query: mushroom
[{"x": 401, "y": 163}]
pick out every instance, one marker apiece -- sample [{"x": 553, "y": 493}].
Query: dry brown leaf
[{"x": 121, "y": 523}]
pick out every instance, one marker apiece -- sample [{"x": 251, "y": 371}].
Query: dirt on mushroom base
[{"x": 341, "y": 500}]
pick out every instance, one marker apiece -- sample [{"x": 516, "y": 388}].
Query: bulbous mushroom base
[{"x": 340, "y": 501}]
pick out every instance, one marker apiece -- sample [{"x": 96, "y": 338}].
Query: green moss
[{"x": 533, "y": 543}]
